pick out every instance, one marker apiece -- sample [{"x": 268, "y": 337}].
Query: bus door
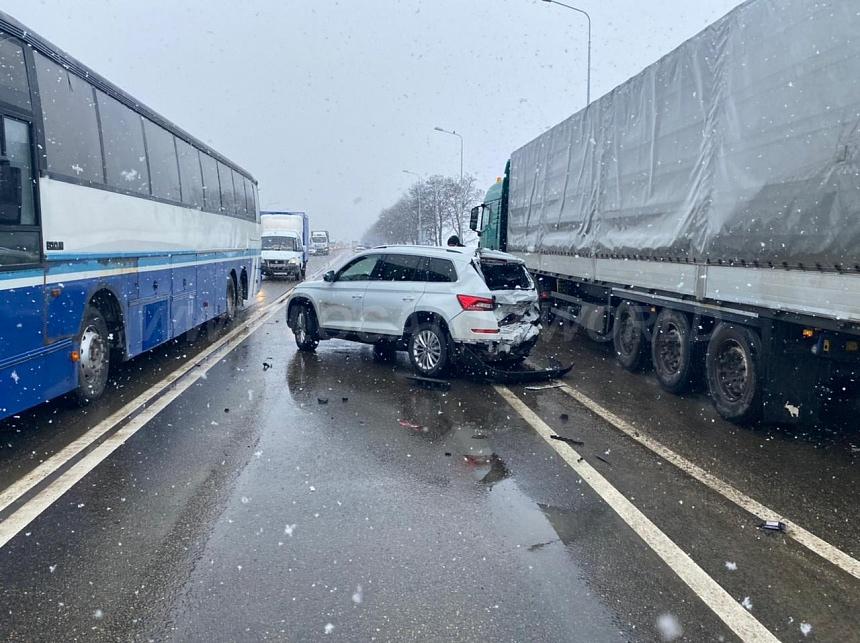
[{"x": 23, "y": 353}]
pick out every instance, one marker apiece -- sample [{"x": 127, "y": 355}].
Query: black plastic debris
[
  {"x": 266, "y": 366},
  {"x": 479, "y": 436},
  {"x": 564, "y": 417},
  {"x": 322, "y": 400},
  {"x": 226, "y": 410},
  {"x": 448, "y": 453},
  {"x": 344, "y": 399},
  {"x": 430, "y": 382},
  {"x": 772, "y": 525},
  {"x": 561, "y": 438},
  {"x": 602, "y": 459}
]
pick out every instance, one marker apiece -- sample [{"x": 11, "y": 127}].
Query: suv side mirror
[
  {"x": 475, "y": 217},
  {"x": 329, "y": 276}
]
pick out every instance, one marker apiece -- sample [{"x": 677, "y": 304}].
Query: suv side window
[
  {"x": 439, "y": 270},
  {"x": 398, "y": 268},
  {"x": 359, "y": 269}
]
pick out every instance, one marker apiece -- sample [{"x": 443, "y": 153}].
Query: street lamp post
[
  {"x": 585, "y": 13},
  {"x": 418, "y": 192},
  {"x": 462, "y": 191}
]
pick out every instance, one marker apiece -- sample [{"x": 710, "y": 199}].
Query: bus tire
[
  {"x": 93, "y": 357},
  {"x": 232, "y": 302},
  {"x": 672, "y": 351},
  {"x": 628, "y": 336},
  {"x": 733, "y": 369}
]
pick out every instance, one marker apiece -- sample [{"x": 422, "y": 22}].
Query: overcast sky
[{"x": 326, "y": 102}]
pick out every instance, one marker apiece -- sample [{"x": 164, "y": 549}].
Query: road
[{"x": 274, "y": 495}]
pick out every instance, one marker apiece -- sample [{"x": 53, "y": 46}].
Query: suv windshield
[
  {"x": 281, "y": 243},
  {"x": 506, "y": 275}
]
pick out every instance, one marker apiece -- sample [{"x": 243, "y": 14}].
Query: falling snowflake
[
  {"x": 288, "y": 530},
  {"x": 98, "y": 614},
  {"x": 329, "y": 628},
  {"x": 731, "y": 566},
  {"x": 357, "y": 595},
  {"x": 747, "y": 603},
  {"x": 669, "y": 627},
  {"x": 14, "y": 376},
  {"x": 805, "y": 629}
]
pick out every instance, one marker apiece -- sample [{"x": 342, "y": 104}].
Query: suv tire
[
  {"x": 428, "y": 349},
  {"x": 305, "y": 327}
]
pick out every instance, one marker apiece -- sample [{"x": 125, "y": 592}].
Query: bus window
[
  {"x": 189, "y": 174},
  {"x": 228, "y": 192},
  {"x": 163, "y": 166},
  {"x": 122, "y": 138},
  {"x": 14, "y": 88},
  {"x": 19, "y": 236},
  {"x": 211, "y": 185},
  {"x": 71, "y": 128},
  {"x": 239, "y": 186}
]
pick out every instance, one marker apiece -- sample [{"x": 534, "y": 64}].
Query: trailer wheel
[
  {"x": 672, "y": 351},
  {"x": 734, "y": 373},
  {"x": 628, "y": 336}
]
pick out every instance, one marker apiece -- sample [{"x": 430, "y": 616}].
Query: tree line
[{"x": 444, "y": 203}]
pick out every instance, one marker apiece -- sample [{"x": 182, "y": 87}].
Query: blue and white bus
[{"x": 118, "y": 230}]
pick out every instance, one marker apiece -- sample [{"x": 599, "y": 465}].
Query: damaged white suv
[{"x": 432, "y": 302}]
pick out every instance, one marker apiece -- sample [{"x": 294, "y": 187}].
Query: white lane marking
[
  {"x": 801, "y": 535},
  {"x": 70, "y": 451},
  {"x": 732, "y": 613}
]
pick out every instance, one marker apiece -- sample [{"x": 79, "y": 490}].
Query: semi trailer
[{"x": 704, "y": 216}]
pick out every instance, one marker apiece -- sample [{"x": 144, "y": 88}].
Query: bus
[{"x": 118, "y": 230}]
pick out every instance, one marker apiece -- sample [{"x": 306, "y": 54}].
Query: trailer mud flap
[{"x": 473, "y": 365}]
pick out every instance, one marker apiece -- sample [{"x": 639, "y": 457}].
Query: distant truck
[
  {"x": 704, "y": 216},
  {"x": 285, "y": 240},
  {"x": 319, "y": 242}
]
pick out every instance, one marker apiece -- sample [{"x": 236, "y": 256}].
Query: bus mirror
[{"x": 475, "y": 218}]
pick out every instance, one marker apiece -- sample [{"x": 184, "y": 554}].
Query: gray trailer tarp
[{"x": 741, "y": 146}]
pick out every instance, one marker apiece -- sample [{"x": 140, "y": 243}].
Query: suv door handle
[
  {"x": 357, "y": 296},
  {"x": 409, "y": 299}
]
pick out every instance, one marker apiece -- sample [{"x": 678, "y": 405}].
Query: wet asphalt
[{"x": 328, "y": 498}]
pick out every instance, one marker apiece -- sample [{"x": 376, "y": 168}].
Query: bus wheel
[
  {"x": 93, "y": 357},
  {"x": 672, "y": 351},
  {"x": 628, "y": 336},
  {"x": 230, "y": 310},
  {"x": 734, "y": 373}
]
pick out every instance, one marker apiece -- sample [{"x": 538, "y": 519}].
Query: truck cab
[{"x": 283, "y": 255}]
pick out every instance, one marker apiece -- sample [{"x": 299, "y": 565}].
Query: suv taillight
[{"x": 471, "y": 302}]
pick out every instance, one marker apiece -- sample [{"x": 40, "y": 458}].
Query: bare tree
[{"x": 445, "y": 204}]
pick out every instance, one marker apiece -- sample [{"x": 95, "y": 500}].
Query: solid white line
[
  {"x": 204, "y": 360},
  {"x": 801, "y": 535},
  {"x": 732, "y": 613}
]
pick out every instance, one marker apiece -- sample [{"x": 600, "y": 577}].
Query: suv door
[
  {"x": 339, "y": 302},
  {"x": 391, "y": 295}
]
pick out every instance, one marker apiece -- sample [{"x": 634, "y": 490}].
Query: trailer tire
[
  {"x": 734, "y": 373},
  {"x": 672, "y": 351},
  {"x": 628, "y": 336}
]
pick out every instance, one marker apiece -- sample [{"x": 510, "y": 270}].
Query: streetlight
[
  {"x": 418, "y": 192},
  {"x": 453, "y": 133},
  {"x": 462, "y": 191},
  {"x": 561, "y": 4}
]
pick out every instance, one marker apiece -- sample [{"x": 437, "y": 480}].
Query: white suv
[{"x": 429, "y": 301}]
